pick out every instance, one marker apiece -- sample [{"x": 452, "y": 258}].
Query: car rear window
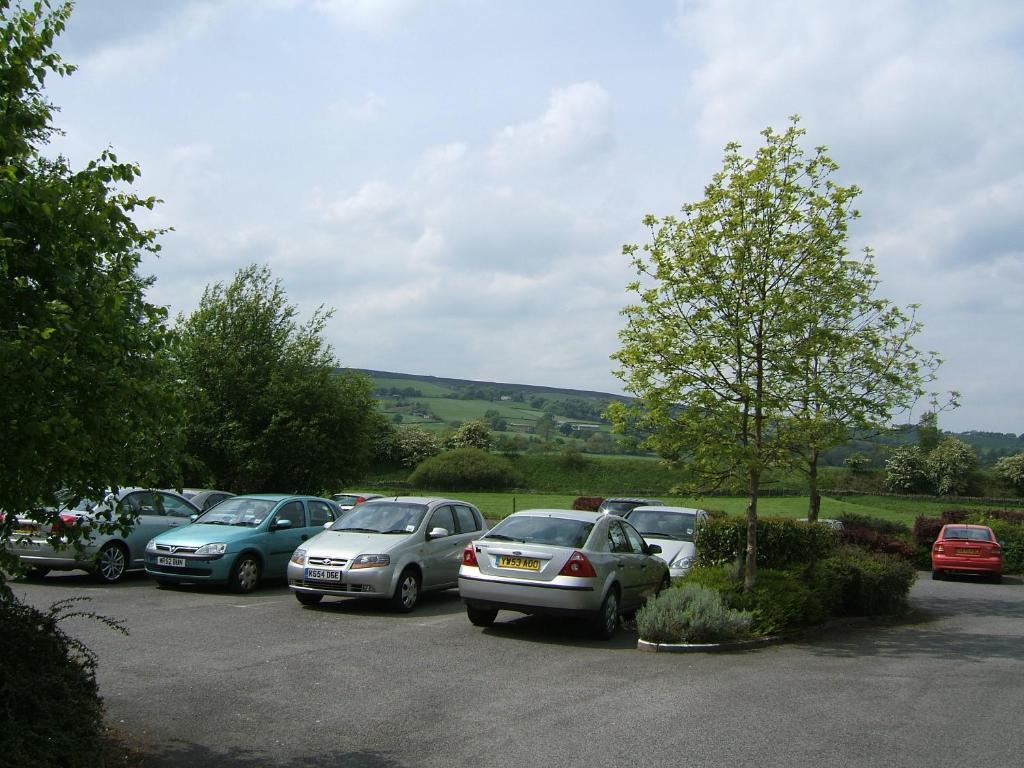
[
  {"x": 978, "y": 534},
  {"x": 556, "y": 531}
]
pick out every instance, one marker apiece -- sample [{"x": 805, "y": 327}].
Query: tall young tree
[
  {"x": 87, "y": 402},
  {"x": 266, "y": 410},
  {"x": 730, "y": 295}
]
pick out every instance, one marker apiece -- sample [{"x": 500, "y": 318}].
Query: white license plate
[
  {"x": 322, "y": 574},
  {"x": 174, "y": 562}
]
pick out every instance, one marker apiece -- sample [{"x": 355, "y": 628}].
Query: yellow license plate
[
  {"x": 522, "y": 563},
  {"x": 968, "y": 551}
]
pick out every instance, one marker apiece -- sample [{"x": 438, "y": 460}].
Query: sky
[{"x": 457, "y": 178}]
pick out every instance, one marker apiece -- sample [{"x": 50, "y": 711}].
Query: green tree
[
  {"x": 951, "y": 467},
  {"x": 905, "y": 470},
  {"x": 472, "y": 434},
  {"x": 88, "y": 401},
  {"x": 731, "y": 300},
  {"x": 1011, "y": 469},
  {"x": 266, "y": 409},
  {"x": 414, "y": 444},
  {"x": 928, "y": 433}
]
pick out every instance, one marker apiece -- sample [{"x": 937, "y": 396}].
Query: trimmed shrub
[
  {"x": 690, "y": 613},
  {"x": 868, "y": 538},
  {"x": 780, "y": 543},
  {"x": 926, "y": 530},
  {"x": 50, "y": 708},
  {"x": 587, "y": 503},
  {"x": 886, "y": 527},
  {"x": 465, "y": 469},
  {"x": 780, "y": 602},
  {"x": 882, "y": 582}
]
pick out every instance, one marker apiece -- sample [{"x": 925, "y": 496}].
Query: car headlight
[
  {"x": 299, "y": 556},
  {"x": 683, "y": 563},
  {"x": 151, "y": 546},
  {"x": 370, "y": 561},
  {"x": 212, "y": 549}
]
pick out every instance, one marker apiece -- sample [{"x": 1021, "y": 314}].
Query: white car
[{"x": 674, "y": 529}]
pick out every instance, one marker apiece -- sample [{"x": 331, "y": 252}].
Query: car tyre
[
  {"x": 606, "y": 622},
  {"x": 996, "y": 578},
  {"x": 937, "y": 575},
  {"x": 481, "y": 617},
  {"x": 36, "y": 572},
  {"x": 407, "y": 591},
  {"x": 245, "y": 575},
  {"x": 309, "y": 598},
  {"x": 111, "y": 563}
]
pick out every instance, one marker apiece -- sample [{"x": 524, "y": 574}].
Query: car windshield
[
  {"x": 666, "y": 525},
  {"x": 382, "y": 517},
  {"x": 238, "y": 511},
  {"x": 977, "y": 534},
  {"x": 557, "y": 531}
]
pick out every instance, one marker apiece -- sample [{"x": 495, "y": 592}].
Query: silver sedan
[{"x": 560, "y": 562}]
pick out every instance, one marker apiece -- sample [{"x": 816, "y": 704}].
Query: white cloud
[{"x": 368, "y": 15}]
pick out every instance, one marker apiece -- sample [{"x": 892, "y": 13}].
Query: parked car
[
  {"x": 390, "y": 549},
  {"x": 561, "y": 562},
  {"x": 348, "y": 499},
  {"x": 830, "y": 522},
  {"x": 621, "y": 505},
  {"x": 239, "y": 542},
  {"x": 963, "y": 548},
  {"x": 204, "y": 498},
  {"x": 674, "y": 529},
  {"x": 106, "y": 555}
]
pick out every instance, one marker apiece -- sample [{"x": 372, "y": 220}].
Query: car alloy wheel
[
  {"x": 607, "y": 619},
  {"x": 111, "y": 563}
]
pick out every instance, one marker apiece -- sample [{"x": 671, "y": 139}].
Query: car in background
[
  {"x": 107, "y": 555},
  {"x": 674, "y": 529},
  {"x": 967, "y": 549},
  {"x": 827, "y": 521},
  {"x": 621, "y": 505},
  {"x": 564, "y": 563},
  {"x": 204, "y": 498},
  {"x": 240, "y": 542},
  {"x": 348, "y": 499},
  {"x": 390, "y": 549}
]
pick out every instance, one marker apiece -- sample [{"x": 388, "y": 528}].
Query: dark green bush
[
  {"x": 50, "y": 709},
  {"x": 780, "y": 543},
  {"x": 882, "y": 582},
  {"x": 885, "y": 527},
  {"x": 781, "y": 601},
  {"x": 690, "y": 613},
  {"x": 465, "y": 469}
]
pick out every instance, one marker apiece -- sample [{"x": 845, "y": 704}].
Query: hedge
[{"x": 780, "y": 542}]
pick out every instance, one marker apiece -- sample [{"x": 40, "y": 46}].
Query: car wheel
[
  {"x": 111, "y": 563},
  {"x": 937, "y": 575},
  {"x": 606, "y": 622},
  {"x": 308, "y": 598},
  {"x": 246, "y": 573},
  {"x": 407, "y": 592},
  {"x": 996, "y": 578},
  {"x": 36, "y": 572},
  {"x": 481, "y": 617}
]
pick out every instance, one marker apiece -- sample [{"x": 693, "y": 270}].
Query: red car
[{"x": 963, "y": 548}]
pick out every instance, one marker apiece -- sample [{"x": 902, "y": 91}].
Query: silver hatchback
[
  {"x": 390, "y": 549},
  {"x": 561, "y": 562}
]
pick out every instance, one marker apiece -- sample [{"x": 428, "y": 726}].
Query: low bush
[
  {"x": 871, "y": 539},
  {"x": 781, "y": 601},
  {"x": 50, "y": 708},
  {"x": 690, "y": 613},
  {"x": 885, "y": 527},
  {"x": 780, "y": 543},
  {"x": 465, "y": 469},
  {"x": 926, "y": 530},
  {"x": 881, "y": 583}
]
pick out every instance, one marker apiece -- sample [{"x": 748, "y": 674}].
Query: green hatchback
[{"x": 239, "y": 542}]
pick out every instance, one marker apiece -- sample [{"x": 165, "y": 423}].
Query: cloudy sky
[{"x": 457, "y": 177}]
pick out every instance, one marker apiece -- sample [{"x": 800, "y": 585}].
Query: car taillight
[
  {"x": 939, "y": 548},
  {"x": 67, "y": 520},
  {"x": 578, "y": 565},
  {"x": 469, "y": 556},
  {"x": 996, "y": 551}
]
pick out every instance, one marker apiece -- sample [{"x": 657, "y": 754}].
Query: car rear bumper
[
  {"x": 993, "y": 565},
  {"x": 40, "y": 554},
  {"x": 546, "y": 598}
]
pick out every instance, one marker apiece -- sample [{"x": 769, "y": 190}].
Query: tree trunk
[
  {"x": 750, "y": 561},
  {"x": 814, "y": 507}
]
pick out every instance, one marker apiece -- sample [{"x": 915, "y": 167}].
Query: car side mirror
[
  {"x": 193, "y": 518},
  {"x": 328, "y": 524},
  {"x": 280, "y": 525},
  {"x": 437, "y": 533},
  {"x": 653, "y": 549}
]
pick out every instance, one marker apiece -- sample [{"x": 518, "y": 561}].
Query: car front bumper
[{"x": 355, "y": 582}]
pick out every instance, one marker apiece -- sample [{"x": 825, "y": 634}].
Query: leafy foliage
[
  {"x": 905, "y": 470},
  {"x": 414, "y": 444},
  {"x": 266, "y": 410},
  {"x": 49, "y": 702},
  {"x": 465, "y": 469},
  {"x": 782, "y": 542},
  {"x": 1011, "y": 469},
  {"x": 88, "y": 397},
  {"x": 472, "y": 434},
  {"x": 951, "y": 467},
  {"x": 690, "y": 613}
]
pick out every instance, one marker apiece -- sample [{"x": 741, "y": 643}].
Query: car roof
[
  {"x": 632, "y": 498},
  {"x": 665, "y": 508},
  {"x": 419, "y": 500},
  {"x": 567, "y": 514},
  {"x": 967, "y": 525}
]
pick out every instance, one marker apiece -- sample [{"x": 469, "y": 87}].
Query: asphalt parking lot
[{"x": 211, "y": 678}]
